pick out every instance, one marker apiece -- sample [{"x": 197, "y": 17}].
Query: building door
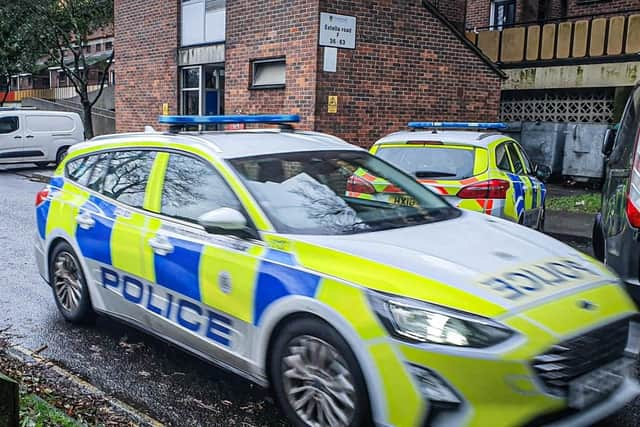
[{"x": 202, "y": 90}]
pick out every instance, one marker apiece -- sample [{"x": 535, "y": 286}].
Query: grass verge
[
  {"x": 35, "y": 412},
  {"x": 584, "y": 203}
]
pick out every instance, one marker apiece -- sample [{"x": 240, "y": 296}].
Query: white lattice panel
[{"x": 573, "y": 107}]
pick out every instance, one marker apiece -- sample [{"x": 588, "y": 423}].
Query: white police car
[{"x": 245, "y": 248}]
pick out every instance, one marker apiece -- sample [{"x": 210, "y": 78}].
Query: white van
[{"x": 36, "y": 136}]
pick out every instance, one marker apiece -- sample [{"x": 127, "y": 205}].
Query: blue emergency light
[
  {"x": 457, "y": 125},
  {"x": 231, "y": 119}
]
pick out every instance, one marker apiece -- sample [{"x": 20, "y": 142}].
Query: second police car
[
  {"x": 471, "y": 165},
  {"x": 246, "y": 249}
]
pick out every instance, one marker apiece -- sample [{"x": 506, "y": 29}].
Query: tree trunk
[
  {"x": 6, "y": 93},
  {"x": 87, "y": 119}
]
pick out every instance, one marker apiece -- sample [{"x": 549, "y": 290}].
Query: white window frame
[
  {"x": 492, "y": 16},
  {"x": 198, "y": 90},
  {"x": 204, "y": 24}
]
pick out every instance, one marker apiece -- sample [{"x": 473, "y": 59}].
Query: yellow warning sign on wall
[
  {"x": 333, "y": 104},
  {"x": 165, "y": 109}
]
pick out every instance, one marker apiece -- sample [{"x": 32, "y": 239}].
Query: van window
[
  {"x": 622, "y": 152},
  {"x": 42, "y": 123},
  {"x": 8, "y": 124}
]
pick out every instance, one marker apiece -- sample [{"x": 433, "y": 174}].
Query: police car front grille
[{"x": 577, "y": 356}]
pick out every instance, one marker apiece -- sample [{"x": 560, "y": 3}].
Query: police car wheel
[
  {"x": 69, "y": 285},
  {"x": 541, "y": 219},
  {"x": 316, "y": 377}
]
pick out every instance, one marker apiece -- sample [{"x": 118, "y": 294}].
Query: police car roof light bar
[
  {"x": 457, "y": 125},
  {"x": 231, "y": 119}
]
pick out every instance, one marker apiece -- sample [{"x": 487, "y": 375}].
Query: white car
[{"x": 36, "y": 136}]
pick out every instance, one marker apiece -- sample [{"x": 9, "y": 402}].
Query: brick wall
[
  {"x": 454, "y": 10},
  {"x": 603, "y": 6},
  {"x": 407, "y": 66},
  {"x": 478, "y": 13},
  {"x": 270, "y": 28},
  {"x": 146, "y": 38}
]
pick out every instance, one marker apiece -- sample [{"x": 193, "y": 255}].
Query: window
[
  {"x": 203, "y": 21},
  {"x": 518, "y": 167},
  {"x": 108, "y": 46},
  {"x": 503, "y": 13},
  {"x": 325, "y": 193},
  {"x": 190, "y": 91},
  {"x": 527, "y": 163},
  {"x": 87, "y": 48},
  {"x": 436, "y": 162},
  {"x": 502, "y": 160},
  {"x": 622, "y": 154},
  {"x": 192, "y": 188},
  {"x": 8, "y": 124},
  {"x": 79, "y": 170},
  {"x": 98, "y": 47},
  {"x": 268, "y": 73},
  {"x": 127, "y": 176}
]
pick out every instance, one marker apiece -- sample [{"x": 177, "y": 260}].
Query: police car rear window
[{"x": 431, "y": 162}]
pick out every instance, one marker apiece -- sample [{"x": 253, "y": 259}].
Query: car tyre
[
  {"x": 312, "y": 367},
  {"x": 541, "y": 218},
  {"x": 62, "y": 152},
  {"x": 69, "y": 285},
  {"x": 597, "y": 239}
]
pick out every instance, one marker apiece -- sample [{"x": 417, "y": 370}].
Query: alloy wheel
[
  {"x": 317, "y": 383},
  {"x": 67, "y": 282}
]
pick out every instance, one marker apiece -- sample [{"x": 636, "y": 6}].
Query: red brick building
[{"x": 245, "y": 56}]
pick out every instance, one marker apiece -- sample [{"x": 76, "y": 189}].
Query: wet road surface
[{"x": 159, "y": 379}]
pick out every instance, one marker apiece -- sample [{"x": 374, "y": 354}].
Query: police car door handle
[
  {"x": 161, "y": 245},
  {"x": 85, "y": 221}
]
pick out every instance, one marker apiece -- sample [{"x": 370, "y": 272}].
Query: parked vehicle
[
  {"x": 36, "y": 136},
  {"x": 471, "y": 165},
  {"x": 617, "y": 225},
  {"x": 247, "y": 249}
]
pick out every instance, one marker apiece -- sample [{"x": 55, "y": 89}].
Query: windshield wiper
[{"x": 432, "y": 174}]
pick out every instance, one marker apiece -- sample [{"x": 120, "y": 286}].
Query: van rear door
[{"x": 11, "y": 137}]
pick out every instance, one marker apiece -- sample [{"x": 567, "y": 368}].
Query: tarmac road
[{"x": 158, "y": 379}]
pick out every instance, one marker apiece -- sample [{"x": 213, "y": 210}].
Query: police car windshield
[
  {"x": 337, "y": 192},
  {"x": 431, "y": 161}
]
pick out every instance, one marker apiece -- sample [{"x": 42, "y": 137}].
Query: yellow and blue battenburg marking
[{"x": 176, "y": 289}]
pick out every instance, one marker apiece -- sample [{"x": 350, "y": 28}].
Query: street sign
[{"x": 337, "y": 31}]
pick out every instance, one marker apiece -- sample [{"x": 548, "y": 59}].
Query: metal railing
[
  {"x": 51, "y": 94},
  {"x": 599, "y": 37}
]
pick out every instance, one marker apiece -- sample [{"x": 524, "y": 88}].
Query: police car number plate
[
  {"x": 403, "y": 200},
  {"x": 597, "y": 385}
]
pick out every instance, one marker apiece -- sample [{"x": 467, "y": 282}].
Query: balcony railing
[
  {"x": 52, "y": 94},
  {"x": 588, "y": 39}
]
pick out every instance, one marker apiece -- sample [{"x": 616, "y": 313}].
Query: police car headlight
[{"x": 427, "y": 323}]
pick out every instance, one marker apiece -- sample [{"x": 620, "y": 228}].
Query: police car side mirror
[
  {"x": 223, "y": 221},
  {"x": 543, "y": 172}
]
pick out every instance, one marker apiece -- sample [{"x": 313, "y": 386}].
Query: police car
[
  {"x": 471, "y": 165},
  {"x": 246, "y": 248}
]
